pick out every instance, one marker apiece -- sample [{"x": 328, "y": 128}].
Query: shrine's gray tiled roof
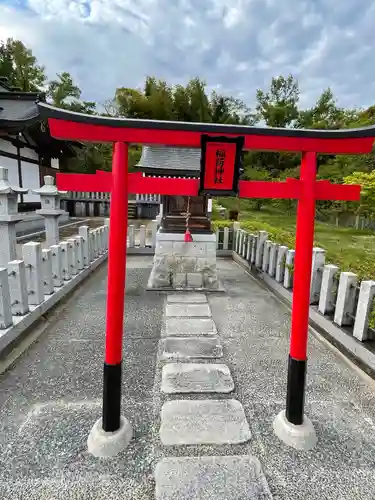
[
  {"x": 12, "y": 110},
  {"x": 166, "y": 158},
  {"x": 17, "y": 109}
]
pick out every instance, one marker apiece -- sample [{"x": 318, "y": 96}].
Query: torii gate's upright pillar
[
  {"x": 101, "y": 442},
  {"x": 291, "y": 425},
  {"x": 302, "y": 274}
]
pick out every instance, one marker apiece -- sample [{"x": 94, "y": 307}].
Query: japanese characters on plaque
[{"x": 221, "y": 160}]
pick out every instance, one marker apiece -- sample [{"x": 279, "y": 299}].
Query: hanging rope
[{"x": 188, "y": 238}]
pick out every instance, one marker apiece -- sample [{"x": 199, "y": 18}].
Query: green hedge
[{"x": 277, "y": 235}]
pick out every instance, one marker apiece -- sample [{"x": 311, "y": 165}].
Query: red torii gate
[{"x": 122, "y": 132}]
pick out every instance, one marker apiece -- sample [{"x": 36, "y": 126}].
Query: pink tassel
[{"x": 188, "y": 238}]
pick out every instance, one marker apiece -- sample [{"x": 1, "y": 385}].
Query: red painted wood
[
  {"x": 137, "y": 184},
  {"x": 118, "y": 227},
  {"x": 324, "y": 190},
  {"x": 266, "y": 189},
  {"x": 63, "y": 129},
  {"x": 303, "y": 258}
]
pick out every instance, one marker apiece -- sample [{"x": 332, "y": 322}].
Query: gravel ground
[{"x": 51, "y": 396}]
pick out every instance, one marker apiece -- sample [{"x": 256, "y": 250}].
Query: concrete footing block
[
  {"x": 300, "y": 437},
  {"x": 103, "y": 444}
]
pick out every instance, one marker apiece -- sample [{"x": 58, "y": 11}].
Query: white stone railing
[
  {"x": 145, "y": 237},
  {"x": 142, "y": 237},
  {"x": 31, "y": 286},
  {"x": 337, "y": 295},
  {"x": 224, "y": 238},
  {"x": 99, "y": 196},
  {"x": 148, "y": 198},
  {"x": 87, "y": 195}
]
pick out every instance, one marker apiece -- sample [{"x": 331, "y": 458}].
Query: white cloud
[
  {"x": 242, "y": 66},
  {"x": 235, "y": 45},
  {"x": 232, "y": 17}
]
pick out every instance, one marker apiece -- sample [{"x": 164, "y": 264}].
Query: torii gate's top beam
[{"x": 69, "y": 125}]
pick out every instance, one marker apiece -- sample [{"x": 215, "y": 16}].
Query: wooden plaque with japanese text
[{"x": 221, "y": 161}]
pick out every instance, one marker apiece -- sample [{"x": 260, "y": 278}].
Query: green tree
[
  {"x": 226, "y": 109},
  {"x": 254, "y": 173},
  {"x": 20, "y": 66},
  {"x": 199, "y": 103},
  {"x": 64, "y": 93},
  {"x": 278, "y": 107},
  {"x": 367, "y": 182},
  {"x": 111, "y": 108},
  {"x": 159, "y": 101},
  {"x": 132, "y": 103},
  {"x": 6, "y": 62},
  {"x": 325, "y": 114},
  {"x": 181, "y": 104}
]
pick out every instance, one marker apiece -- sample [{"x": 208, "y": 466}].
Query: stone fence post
[
  {"x": 266, "y": 255},
  {"x": 262, "y": 238},
  {"x": 273, "y": 259},
  {"x": 9, "y": 216},
  {"x": 318, "y": 262},
  {"x": 346, "y": 295},
  {"x": 6, "y": 319},
  {"x": 32, "y": 256},
  {"x": 280, "y": 263},
  {"x": 154, "y": 230},
  {"x": 289, "y": 269},
  {"x": 364, "y": 308},
  {"x": 328, "y": 291}
]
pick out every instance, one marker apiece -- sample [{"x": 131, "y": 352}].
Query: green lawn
[{"x": 350, "y": 249}]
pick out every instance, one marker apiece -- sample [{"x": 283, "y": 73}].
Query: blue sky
[{"x": 235, "y": 45}]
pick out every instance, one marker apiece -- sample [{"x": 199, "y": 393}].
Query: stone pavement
[{"x": 201, "y": 392}]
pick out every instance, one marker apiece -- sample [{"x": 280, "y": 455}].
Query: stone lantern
[
  {"x": 51, "y": 211},
  {"x": 9, "y": 216}
]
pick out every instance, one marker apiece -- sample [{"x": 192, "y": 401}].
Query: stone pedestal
[{"x": 179, "y": 265}]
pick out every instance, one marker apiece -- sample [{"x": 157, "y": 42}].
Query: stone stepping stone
[
  {"x": 211, "y": 478},
  {"x": 196, "y": 377},
  {"x": 186, "y": 298},
  {"x": 191, "y": 347},
  {"x": 203, "y": 422},
  {"x": 188, "y": 310},
  {"x": 189, "y": 327}
]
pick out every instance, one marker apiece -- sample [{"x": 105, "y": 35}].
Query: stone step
[
  {"x": 203, "y": 422},
  {"x": 186, "y": 298},
  {"x": 191, "y": 348},
  {"x": 211, "y": 478},
  {"x": 189, "y": 327},
  {"x": 188, "y": 310},
  {"x": 196, "y": 377}
]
